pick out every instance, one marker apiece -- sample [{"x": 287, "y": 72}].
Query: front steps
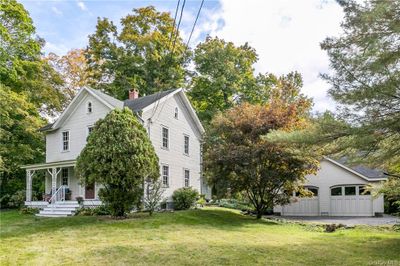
[{"x": 59, "y": 209}]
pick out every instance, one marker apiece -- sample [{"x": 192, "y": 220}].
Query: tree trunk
[{"x": 259, "y": 214}]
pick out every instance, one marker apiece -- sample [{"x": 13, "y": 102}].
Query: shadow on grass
[{"x": 14, "y": 224}]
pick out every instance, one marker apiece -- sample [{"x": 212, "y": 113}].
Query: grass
[{"x": 211, "y": 236}]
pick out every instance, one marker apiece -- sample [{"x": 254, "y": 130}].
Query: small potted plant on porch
[{"x": 68, "y": 194}]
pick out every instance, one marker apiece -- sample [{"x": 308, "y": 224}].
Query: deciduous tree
[
  {"x": 240, "y": 158},
  {"x": 147, "y": 54},
  {"x": 224, "y": 72},
  {"x": 21, "y": 67},
  {"x": 73, "y": 68}
]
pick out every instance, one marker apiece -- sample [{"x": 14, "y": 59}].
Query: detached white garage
[{"x": 337, "y": 191}]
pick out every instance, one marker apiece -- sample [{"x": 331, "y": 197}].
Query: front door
[{"x": 89, "y": 191}]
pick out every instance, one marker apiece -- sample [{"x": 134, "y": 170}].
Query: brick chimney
[{"x": 133, "y": 94}]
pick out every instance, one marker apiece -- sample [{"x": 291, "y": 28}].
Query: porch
[{"x": 60, "y": 185}]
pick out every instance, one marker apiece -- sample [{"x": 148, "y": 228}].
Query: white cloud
[
  {"x": 82, "y": 5},
  {"x": 59, "y": 49},
  {"x": 56, "y": 11},
  {"x": 286, "y": 35}
]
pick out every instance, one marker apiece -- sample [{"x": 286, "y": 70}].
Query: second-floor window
[
  {"x": 186, "y": 144},
  {"x": 165, "y": 175},
  {"x": 165, "y": 136},
  {"x": 64, "y": 176},
  {"x": 90, "y": 129},
  {"x": 187, "y": 178},
  {"x": 65, "y": 141}
]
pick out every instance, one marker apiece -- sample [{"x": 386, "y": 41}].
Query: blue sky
[{"x": 285, "y": 33}]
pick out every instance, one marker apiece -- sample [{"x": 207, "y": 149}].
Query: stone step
[
  {"x": 60, "y": 209},
  {"x": 55, "y": 212},
  {"x": 67, "y": 202},
  {"x": 52, "y": 215},
  {"x": 62, "y": 206}
]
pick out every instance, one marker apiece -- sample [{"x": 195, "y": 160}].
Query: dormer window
[
  {"x": 89, "y": 107},
  {"x": 176, "y": 114}
]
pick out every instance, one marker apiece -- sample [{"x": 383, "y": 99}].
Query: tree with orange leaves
[{"x": 240, "y": 159}]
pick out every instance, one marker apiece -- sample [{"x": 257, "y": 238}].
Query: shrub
[
  {"x": 184, "y": 198},
  {"x": 201, "y": 201},
  {"x": 235, "y": 204},
  {"x": 26, "y": 210},
  {"x": 17, "y": 200},
  {"x": 97, "y": 211}
]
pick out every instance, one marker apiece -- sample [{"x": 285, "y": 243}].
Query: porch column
[
  {"x": 29, "y": 175},
  {"x": 53, "y": 174}
]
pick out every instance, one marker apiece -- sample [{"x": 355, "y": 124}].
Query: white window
[
  {"x": 64, "y": 176},
  {"x": 90, "y": 129},
  {"x": 186, "y": 144},
  {"x": 165, "y": 175},
  {"x": 65, "y": 141},
  {"x": 89, "y": 107},
  {"x": 176, "y": 114},
  {"x": 165, "y": 136},
  {"x": 187, "y": 178}
]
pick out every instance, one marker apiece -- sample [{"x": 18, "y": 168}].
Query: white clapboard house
[{"x": 173, "y": 127}]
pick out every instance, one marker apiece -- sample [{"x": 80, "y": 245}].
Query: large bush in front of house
[
  {"x": 184, "y": 198},
  {"x": 119, "y": 156}
]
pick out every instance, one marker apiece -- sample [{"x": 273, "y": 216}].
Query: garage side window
[
  {"x": 349, "y": 191},
  {"x": 314, "y": 191},
  {"x": 336, "y": 191},
  {"x": 364, "y": 191}
]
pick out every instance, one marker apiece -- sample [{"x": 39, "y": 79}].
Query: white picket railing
[{"x": 59, "y": 195}]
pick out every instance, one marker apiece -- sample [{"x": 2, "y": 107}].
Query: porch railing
[{"x": 59, "y": 195}]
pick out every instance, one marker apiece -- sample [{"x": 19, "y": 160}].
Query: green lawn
[{"x": 211, "y": 236}]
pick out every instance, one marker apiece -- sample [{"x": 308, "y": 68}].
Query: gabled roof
[
  {"x": 140, "y": 103},
  {"x": 111, "y": 100},
  {"x": 360, "y": 171},
  {"x": 135, "y": 105},
  {"x": 107, "y": 100}
]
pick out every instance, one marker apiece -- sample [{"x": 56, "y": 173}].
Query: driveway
[{"x": 385, "y": 220}]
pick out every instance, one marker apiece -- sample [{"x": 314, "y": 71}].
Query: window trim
[
  {"x": 87, "y": 107},
  {"x": 162, "y": 175},
  {"x": 62, "y": 140},
  {"x": 184, "y": 144},
  {"x": 184, "y": 177},
  {"x": 162, "y": 137}
]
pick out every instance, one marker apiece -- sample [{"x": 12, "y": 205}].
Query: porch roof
[{"x": 57, "y": 164}]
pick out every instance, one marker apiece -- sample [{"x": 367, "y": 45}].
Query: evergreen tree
[{"x": 119, "y": 156}]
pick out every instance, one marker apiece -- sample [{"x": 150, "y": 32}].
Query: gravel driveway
[{"x": 385, "y": 220}]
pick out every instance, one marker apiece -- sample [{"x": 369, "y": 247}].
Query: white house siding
[
  {"x": 77, "y": 124},
  {"x": 174, "y": 157},
  {"x": 331, "y": 175}
]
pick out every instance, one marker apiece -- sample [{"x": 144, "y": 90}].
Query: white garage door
[
  {"x": 349, "y": 200},
  {"x": 303, "y": 206}
]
